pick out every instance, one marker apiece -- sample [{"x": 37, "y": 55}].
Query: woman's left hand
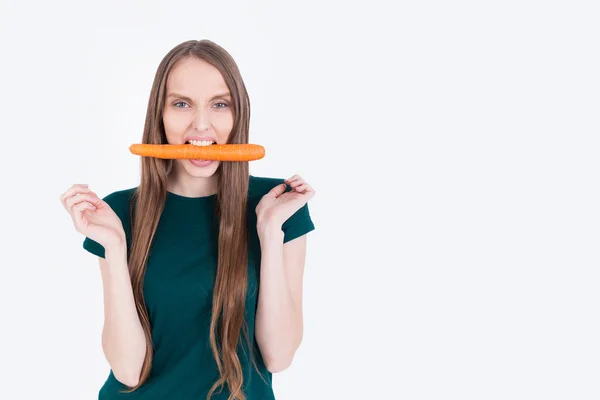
[{"x": 277, "y": 205}]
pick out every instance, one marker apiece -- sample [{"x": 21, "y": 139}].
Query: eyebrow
[{"x": 172, "y": 94}]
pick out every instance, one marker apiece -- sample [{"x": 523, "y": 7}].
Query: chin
[{"x": 200, "y": 171}]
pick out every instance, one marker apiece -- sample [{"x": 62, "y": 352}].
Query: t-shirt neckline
[{"x": 187, "y": 198}]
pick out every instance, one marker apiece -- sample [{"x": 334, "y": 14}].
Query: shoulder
[
  {"x": 120, "y": 196},
  {"x": 120, "y": 201},
  {"x": 258, "y": 186},
  {"x": 298, "y": 224}
]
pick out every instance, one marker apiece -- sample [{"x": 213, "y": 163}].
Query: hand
[
  {"x": 92, "y": 216},
  {"x": 277, "y": 206}
]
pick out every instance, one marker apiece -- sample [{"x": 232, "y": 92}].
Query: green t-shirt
[{"x": 178, "y": 288}]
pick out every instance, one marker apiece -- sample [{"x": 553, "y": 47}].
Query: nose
[{"x": 201, "y": 120}]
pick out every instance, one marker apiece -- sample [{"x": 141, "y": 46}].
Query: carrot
[{"x": 219, "y": 152}]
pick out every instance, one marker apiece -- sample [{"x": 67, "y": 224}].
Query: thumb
[{"x": 278, "y": 190}]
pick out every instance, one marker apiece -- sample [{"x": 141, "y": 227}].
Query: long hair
[{"x": 231, "y": 279}]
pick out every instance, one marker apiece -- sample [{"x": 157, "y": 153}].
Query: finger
[
  {"x": 68, "y": 199},
  {"x": 308, "y": 190},
  {"x": 72, "y": 191},
  {"x": 278, "y": 190},
  {"x": 79, "y": 186},
  {"x": 301, "y": 188},
  {"x": 293, "y": 178},
  {"x": 297, "y": 182},
  {"x": 78, "y": 210},
  {"x": 79, "y": 197},
  {"x": 89, "y": 197}
]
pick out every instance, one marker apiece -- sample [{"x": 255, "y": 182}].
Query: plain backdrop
[{"x": 453, "y": 147}]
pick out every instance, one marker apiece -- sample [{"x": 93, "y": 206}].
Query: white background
[{"x": 453, "y": 147}]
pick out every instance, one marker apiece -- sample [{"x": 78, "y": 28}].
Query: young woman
[{"x": 202, "y": 263}]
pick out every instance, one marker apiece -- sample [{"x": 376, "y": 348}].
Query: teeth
[{"x": 201, "y": 142}]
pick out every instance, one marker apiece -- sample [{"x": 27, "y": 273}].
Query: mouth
[{"x": 202, "y": 143}]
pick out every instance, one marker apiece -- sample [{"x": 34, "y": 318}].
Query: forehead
[{"x": 195, "y": 78}]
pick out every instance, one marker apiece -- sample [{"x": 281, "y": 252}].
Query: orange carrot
[{"x": 219, "y": 152}]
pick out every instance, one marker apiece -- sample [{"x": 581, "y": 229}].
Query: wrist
[
  {"x": 116, "y": 250},
  {"x": 269, "y": 231}
]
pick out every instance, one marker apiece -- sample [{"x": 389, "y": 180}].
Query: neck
[{"x": 189, "y": 186}]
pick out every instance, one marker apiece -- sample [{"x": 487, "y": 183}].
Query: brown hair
[{"x": 148, "y": 202}]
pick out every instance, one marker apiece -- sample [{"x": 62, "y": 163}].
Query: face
[{"x": 197, "y": 110}]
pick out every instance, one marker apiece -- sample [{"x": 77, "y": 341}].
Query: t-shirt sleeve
[
  {"x": 114, "y": 200},
  {"x": 298, "y": 224},
  {"x": 93, "y": 247}
]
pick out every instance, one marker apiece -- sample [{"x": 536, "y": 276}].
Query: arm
[
  {"x": 279, "y": 321},
  {"x": 123, "y": 339}
]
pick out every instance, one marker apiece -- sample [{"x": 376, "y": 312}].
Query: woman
[{"x": 202, "y": 263}]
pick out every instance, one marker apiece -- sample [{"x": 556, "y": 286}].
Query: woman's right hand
[{"x": 93, "y": 217}]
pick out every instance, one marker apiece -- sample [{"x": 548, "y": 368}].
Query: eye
[
  {"x": 178, "y": 104},
  {"x": 221, "y": 105}
]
